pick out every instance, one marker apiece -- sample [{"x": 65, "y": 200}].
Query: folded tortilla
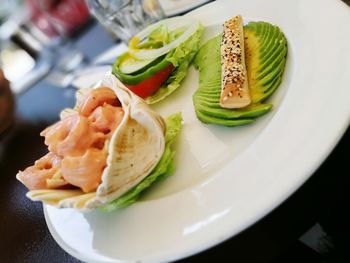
[{"x": 134, "y": 149}]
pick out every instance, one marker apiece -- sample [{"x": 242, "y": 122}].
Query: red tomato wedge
[{"x": 149, "y": 86}]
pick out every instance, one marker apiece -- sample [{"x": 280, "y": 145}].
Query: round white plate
[
  {"x": 228, "y": 178},
  {"x": 175, "y": 7}
]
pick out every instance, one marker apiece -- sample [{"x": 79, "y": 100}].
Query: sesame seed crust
[{"x": 234, "y": 93}]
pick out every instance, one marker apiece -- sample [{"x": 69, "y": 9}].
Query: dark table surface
[{"x": 24, "y": 236}]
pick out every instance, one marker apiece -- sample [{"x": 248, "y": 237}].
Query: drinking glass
[
  {"x": 125, "y": 18},
  {"x": 59, "y": 20}
]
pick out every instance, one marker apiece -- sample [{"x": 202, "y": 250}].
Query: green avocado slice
[
  {"x": 266, "y": 63},
  {"x": 230, "y": 123},
  {"x": 266, "y": 51},
  {"x": 270, "y": 62},
  {"x": 270, "y": 73},
  {"x": 252, "y": 111},
  {"x": 272, "y": 44},
  {"x": 209, "y": 94},
  {"x": 265, "y": 35},
  {"x": 273, "y": 86},
  {"x": 198, "y": 97}
]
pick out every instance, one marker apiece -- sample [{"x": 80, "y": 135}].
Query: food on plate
[
  {"x": 105, "y": 149},
  {"x": 234, "y": 82},
  {"x": 265, "y": 54},
  {"x": 158, "y": 57},
  {"x": 163, "y": 169}
]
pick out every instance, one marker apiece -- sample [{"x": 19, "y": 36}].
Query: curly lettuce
[{"x": 181, "y": 57}]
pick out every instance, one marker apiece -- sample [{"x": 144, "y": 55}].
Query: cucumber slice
[
  {"x": 141, "y": 74},
  {"x": 129, "y": 64}
]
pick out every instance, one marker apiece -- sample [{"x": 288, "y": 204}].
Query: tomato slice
[{"x": 149, "y": 86}]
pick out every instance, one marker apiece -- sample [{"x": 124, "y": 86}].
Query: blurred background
[
  {"x": 34, "y": 34},
  {"x": 31, "y": 31},
  {"x": 47, "y": 44}
]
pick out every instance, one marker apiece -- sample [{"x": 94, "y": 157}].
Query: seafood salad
[{"x": 100, "y": 150}]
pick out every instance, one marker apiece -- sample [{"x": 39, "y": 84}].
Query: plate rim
[{"x": 330, "y": 146}]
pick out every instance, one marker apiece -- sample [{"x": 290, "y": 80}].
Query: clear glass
[
  {"x": 125, "y": 18},
  {"x": 61, "y": 50}
]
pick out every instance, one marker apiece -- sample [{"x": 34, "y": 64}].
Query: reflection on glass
[{"x": 125, "y": 18}]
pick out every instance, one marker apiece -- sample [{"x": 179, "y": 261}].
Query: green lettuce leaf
[
  {"x": 156, "y": 39},
  {"x": 181, "y": 57},
  {"x": 164, "y": 168},
  {"x": 160, "y": 34}
]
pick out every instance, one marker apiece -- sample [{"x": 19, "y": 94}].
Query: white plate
[
  {"x": 175, "y": 7},
  {"x": 228, "y": 178}
]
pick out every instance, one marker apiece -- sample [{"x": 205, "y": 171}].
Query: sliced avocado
[
  {"x": 198, "y": 98},
  {"x": 266, "y": 63},
  {"x": 263, "y": 85},
  {"x": 265, "y": 33},
  {"x": 210, "y": 53},
  {"x": 209, "y": 104},
  {"x": 206, "y": 103},
  {"x": 265, "y": 50},
  {"x": 248, "y": 112},
  {"x": 274, "y": 86},
  {"x": 270, "y": 72},
  {"x": 272, "y": 45},
  {"x": 211, "y": 87},
  {"x": 209, "y": 93},
  {"x": 209, "y": 119},
  {"x": 267, "y": 90},
  {"x": 275, "y": 33},
  {"x": 210, "y": 82},
  {"x": 271, "y": 83}
]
